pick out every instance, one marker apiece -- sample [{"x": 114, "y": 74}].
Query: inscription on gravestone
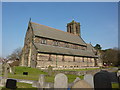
[
  {"x": 61, "y": 81},
  {"x": 102, "y": 80}
]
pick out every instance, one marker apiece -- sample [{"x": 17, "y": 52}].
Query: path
[{"x": 22, "y": 80}]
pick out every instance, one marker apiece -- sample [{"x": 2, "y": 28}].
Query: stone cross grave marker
[
  {"x": 61, "y": 81},
  {"x": 50, "y": 70},
  {"x": 102, "y": 80},
  {"x": 41, "y": 81},
  {"x": 89, "y": 78}
]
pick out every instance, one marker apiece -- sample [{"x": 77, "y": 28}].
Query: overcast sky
[{"x": 99, "y": 21}]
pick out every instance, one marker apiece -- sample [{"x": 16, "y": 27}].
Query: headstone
[
  {"x": 102, "y": 80},
  {"x": 41, "y": 81},
  {"x": 118, "y": 73},
  {"x": 113, "y": 77},
  {"x": 50, "y": 70},
  {"x": 76, "y": 80},
  {"x": 11, "y": 84},
  {"x": 25, "y": 73},
  {"x": 82, "y": 84},
  {"x": 5, "y": 72},
  {"x": 61, "y": 81},
  {"x": 35, "y": 84},
  {"x": 89, "y": 78}
]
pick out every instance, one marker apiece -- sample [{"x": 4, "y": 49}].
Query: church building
[{"x": 45, "y": 46}]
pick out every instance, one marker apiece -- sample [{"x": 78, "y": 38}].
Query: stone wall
[
  {"x": 60, "y": 61},
  {"x": 27, "y": 49}
]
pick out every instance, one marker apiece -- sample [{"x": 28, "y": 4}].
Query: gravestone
[
  {"x": 118, "y": 73},
  {"x": 61, "y": 81},
  {"x": 82, "y": 84},
  {"x": 11, "y": 84},
  {"x": 50, "y": 70},
  {"x": 5, "y": 73},
  {"x": 89, "y": 78},
  {"x": 25, "y": 73},
  {"x": 102, "y": 80},
  {"x": 76, "y": 80},
  {"x": 113, "y": 77},
  {"x": 41, "y": 81}
]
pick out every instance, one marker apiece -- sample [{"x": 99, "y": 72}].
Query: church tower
[{"x": 74, "y": 28}]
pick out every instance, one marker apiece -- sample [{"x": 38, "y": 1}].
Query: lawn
[
  {"x": 79, "y": 69},
  {"x": 33, "y": 74},
  {"x": 115, "y": 85}
]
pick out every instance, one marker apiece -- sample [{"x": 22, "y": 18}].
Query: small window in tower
[{"x": 77, "y": 30}]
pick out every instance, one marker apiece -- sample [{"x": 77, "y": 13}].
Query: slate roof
[
  {"x": 60, "y": 50},
  {"x": 90, "y": 48},
  {"x": 52, "y": 33}
]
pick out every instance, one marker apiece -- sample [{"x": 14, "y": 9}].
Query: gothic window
[
  {"x": 63, "y": 58},
  {"x": 74, "y": 59},
  {"x": 70, "y": 29},
  {"x": 83, "y": 48},
  {"x": 43, "y": 41},
  {"x": 67, "y": 45},
  {"x": 55, "y": 43},
  {"x": 83, "y": 60},
  {"x": 77, "y": 30},
  {"x": 76, "y": 46},
  {"x": 49, "y": 59}
]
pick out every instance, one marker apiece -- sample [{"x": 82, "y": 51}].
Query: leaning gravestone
[
  {"x": 102, "y": 80},
  {"x": 76, "y": 80},
  {"x": 81, "y": 85},
  {"x": 61, "y": 81},
  {"x": 89, "y": 78}
]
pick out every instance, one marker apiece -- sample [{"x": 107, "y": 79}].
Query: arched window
[{"x": 77, "y": 30}]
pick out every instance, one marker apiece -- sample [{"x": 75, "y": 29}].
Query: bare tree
[{"x": 16, "y": 54}]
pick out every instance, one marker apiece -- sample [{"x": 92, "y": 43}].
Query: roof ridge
[{"x": 54, "y": 28}]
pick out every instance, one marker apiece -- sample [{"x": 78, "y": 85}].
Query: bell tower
[{"x": 73, "y": 27}]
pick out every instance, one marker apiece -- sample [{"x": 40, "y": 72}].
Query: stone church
[{"x": 45, "y": 46}]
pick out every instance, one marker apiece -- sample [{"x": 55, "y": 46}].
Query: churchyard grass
[
  {"x": 85, "y": 69},
  {"x": 33, "y": 74},
  {"x": 24, "y": 85},
  {"x": 115, "y": 85},
  {"x": 71, "y": 78}
]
